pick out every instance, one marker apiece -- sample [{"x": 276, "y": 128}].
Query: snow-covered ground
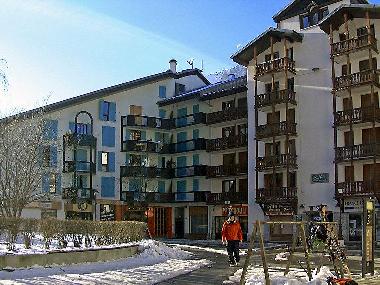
[{"x": 156, "y": 262}]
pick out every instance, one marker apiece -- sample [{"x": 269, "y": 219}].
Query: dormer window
[{"x": 313, "y": 17}]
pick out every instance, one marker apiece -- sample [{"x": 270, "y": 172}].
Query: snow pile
[
  {"x": 255, "y": 276},
  {"x": 155, "y": 249},
  {"x": 282, "y": 256}
]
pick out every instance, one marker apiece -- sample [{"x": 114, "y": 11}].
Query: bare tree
[
  {"x": 3, "y": 78},
  {"x": 21, "y": 167}
]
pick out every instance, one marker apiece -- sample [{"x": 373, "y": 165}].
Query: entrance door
[
  {"x": 159, "y": 222},
  {"x": 179, "y": 222},
  {"x": 355, "y": 227}
]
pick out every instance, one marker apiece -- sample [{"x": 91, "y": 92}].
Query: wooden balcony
[
  {"x": 276, "y": 129},
  {"x": 356, "y": 116},
  {"x": 226, "y": 115},
  {"x": 277, "y": 200},
  {"x": 227, "y": 198},
  {"x": 79, "y": 166},
  {"x": 147, "y": 197},
  {"x": 356, "y": 79},
  {"x": 138, "y": 145},
  {"x": 356, "y": 152},
  {"x": 275, "y": 65},
  {"x": 185, "y": 146},
  {"x": 230, "y": 142},
  {"x": 189, "y": 171},
  {"x": 79, "y": 140},
  {"x": 189, "y": 120},
  {"x": 354, "y": 45},
  {"x": 150, "y": 172},
  {"x": 147, "y": 122},
  {"x": 356, "y": 189},
  {"x": 276, "y": 97},
  {"x": 226, "y": 170},
  {"x": 193, "y": 196},
  {"x": 276, "y": 161},
  {"x": 75, "y": 193}
]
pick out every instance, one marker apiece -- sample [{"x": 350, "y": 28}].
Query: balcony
[
  {"x": 147, "y": 122},
  {"x": 80, "y": 140},
  {"x": 74, "y": 193},
  {"x": 189, "y": 171},
  {"x": 226, "y": 170},
  {"x": 356, "y": 79},
  {"x": 194, "y": 196},
  {"x": 276, "y": 97},
  {"x": 227, "y": 197},
  {"x": 143, "y": 146},
  {"x": 230, "y": 142},
  {"x": 149, "y": 172},
  {"x": 356, "y": 189},
  {"x": 189, "y": 120},
  {"x": 276, "y": 129},
  {"x": 277, "y": 200},
  {"x": 356, "y": 116},
  {"x": 356, "y": 152},
  {"x": 275, "y": 65},
  {"x": 147, "y": 197},
  {"x": 185, "y": 146},
  {"x": 276, "y": 161},
  {"x": 227, "y": 115},
  {"x": 353, "y": 45},
  {"x": 79, "y": 166}
]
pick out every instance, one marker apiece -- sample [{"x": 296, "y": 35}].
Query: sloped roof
[{"x": 262, "y": 42}]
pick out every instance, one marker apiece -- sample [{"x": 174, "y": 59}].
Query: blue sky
[{"x": 63, "y": 49}]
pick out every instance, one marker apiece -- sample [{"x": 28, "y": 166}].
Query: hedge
[{"x": 79, "y": 232}]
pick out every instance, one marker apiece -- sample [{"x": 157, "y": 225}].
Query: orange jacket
[{"x": 231, "y": 231}]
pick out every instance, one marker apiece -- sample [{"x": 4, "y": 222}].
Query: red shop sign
[{"x": 238, "y": 210}]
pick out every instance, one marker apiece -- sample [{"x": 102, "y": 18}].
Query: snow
[
  {"x": 282, "y": 256},
  {"x": 208, "y": 249},
  {"x": 156, "y": 262}
]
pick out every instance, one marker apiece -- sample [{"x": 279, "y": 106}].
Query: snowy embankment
[{"x": 155, "y": 263}]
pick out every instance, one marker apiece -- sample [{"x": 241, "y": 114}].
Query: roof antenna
[
  {"x": 191, "y": 62},
  {"x": 202, "y": 66}
]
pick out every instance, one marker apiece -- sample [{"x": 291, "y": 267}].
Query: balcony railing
[
  {"x": 189, "y": 120},
  {"x": 354, "y": 44},
  {"x": 74, "y": 193},
  {"x": 227, "y": 197},
  {"x": 150, "y": 172},
  {"x": 275, "y": 65},
  {"x": 240, "y": 140},
  {"x": 188, "y": 171},
  {"x": 189, "y": 145},
  {"x": 144, "y": 146},
  {"x": 226, "y": 170},
  {"x": 147, "y": 122},
  {"x": 79, "y": 166},
  {"x": 226, "y": 115},
  {"x": 194, "y": 196},
  {"x": 356, "y": 188},
  {"x": 147, "y": 197},
  {"x": 356, "y": 79},
  {"x": 80, "y": 140},
  {"x": 276, "y": 194},
  {"x": 276, "y": 161},
  {"x": 362, "y": 151},
  {"x": 276, "y": 97},
  {"x": 276, "y": 129},
  {"x": 357, "y": 115}
]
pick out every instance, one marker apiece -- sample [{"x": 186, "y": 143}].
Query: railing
[
  {"x": 148, "y": 122},
  {"x": 354, "y": 44},
  {"x": 226, "y": 115},
  {"x": 275, "y": 194},
  {"x": 356, "y": 188},
  {"x": 147, "y": 197},
  {"x": 275, "y": 65},
  {"x": 226, "y": 170},
  {"x": 189, "y": 145},
  {"x": 346, "y": 153},
  {"x": 276, "y": 97},
  {"x": 74, "y": 193},
  {"x": 80, "y": 139},
  {"x": 188, "y": 171},
  {"x": 357, "y": 115},
  {"x": 79, "y": 166},
  {"x": 194, "y": 196},
  {"x": 150, "y": 172},
  {"x": 276, "y": 129},
  {"x": 276, "y": 161},
  {"x": 144, "y": 146},
  {"x": 240, "y": 140},
  {"x": 227, "y": 197},
  {"x": 194, "y": 119},
  {"x": 356, "y": 79}
]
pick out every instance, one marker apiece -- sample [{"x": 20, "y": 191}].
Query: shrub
[
  {"x": 12, "y": 229},
  {"x": 28, "y": 229}
]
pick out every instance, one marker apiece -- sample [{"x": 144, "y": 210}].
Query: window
[
  {"x": 52, "y": 183},
  {"x": 290, "y": 53},
  {"x": 162, "y": 92},
  {"x": 46, "y": 155},
  {"x": 228, "y": 105},
  {"x": 363, "y": 31},
  {"x": 291, "y": 84},
  {"x": 135, "y": 160},
  {"x": 135, "y": 135},
  {"x": 106, "y": 110},
  {"x": 346, "y": 69},
  {"x": 243, "y": 129},
  {"x": 83, "y": 129},
  {"x": 313, "y": 18},
  {"x": 228, "y": 131},
  {"x": 292, "y": 179},
  {"x": 105, "y": 159},
  {"x": 364, "y": 64},
  {"x": 228, "y": 186},
  {"x": 179, "y": 88}
]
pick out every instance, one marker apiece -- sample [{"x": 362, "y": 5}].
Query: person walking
[{"x": 231, "y": 236}]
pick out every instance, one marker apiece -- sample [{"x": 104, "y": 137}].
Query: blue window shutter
[
  {"x": 113, "y": 111},
  {"x": 58, "y": 183},
  {"x": 195, "y": 109},
  {"x": 195, "y": 184},
  {"x": 196, "y": 134},
  {"x": 72, "y": 127},
  {"x": 100, "y": 161},
  {"x": 108, "y": 187},
  {"x": 108, "y": 136},
  {"x": 181, "y": 187},
  {"x": 127, "y": 134},
  {"x": 143, "y": 135},
  {"x": 101, "y": 103},
  {"x": 127, "y": 159},
  {"x": 195, "y": 159},
  {"x": 53, "y": 156},
  {"x": 162, "y": 113},
  {"x": 161, "y": 186},
  {"x": 45, "y": 183},
  {"x": 162, "y": 91},
  {"x": 111, "y": 162}
]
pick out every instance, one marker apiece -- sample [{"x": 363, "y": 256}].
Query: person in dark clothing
[{"x": 231, "y": 236}]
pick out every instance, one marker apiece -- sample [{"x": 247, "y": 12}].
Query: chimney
[{"x": 173, "y": 65}]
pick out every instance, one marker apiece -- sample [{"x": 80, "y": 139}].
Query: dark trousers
[{"x": 233, "y": 250}]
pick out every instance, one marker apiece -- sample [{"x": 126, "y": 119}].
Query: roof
[
  {"x": 116, "y": 88},
  {"x": 336, "y": 17},
  {"x": 216, "y": 90},
  {"x": 297, "y": 7},
  {"x": 262, "y": 42}
]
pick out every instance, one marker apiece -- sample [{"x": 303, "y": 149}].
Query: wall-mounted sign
[
  {"x": 320, "y": 178},
  {"x": 238, "y": 210}
]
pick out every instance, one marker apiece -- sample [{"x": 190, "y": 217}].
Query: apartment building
[{"x": 291, "y": 117}]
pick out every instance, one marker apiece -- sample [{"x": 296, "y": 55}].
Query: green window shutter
[{"x": 161, "y": 186}]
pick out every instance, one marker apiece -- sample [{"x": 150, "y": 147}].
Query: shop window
[{"x": 107, "y": 212}]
